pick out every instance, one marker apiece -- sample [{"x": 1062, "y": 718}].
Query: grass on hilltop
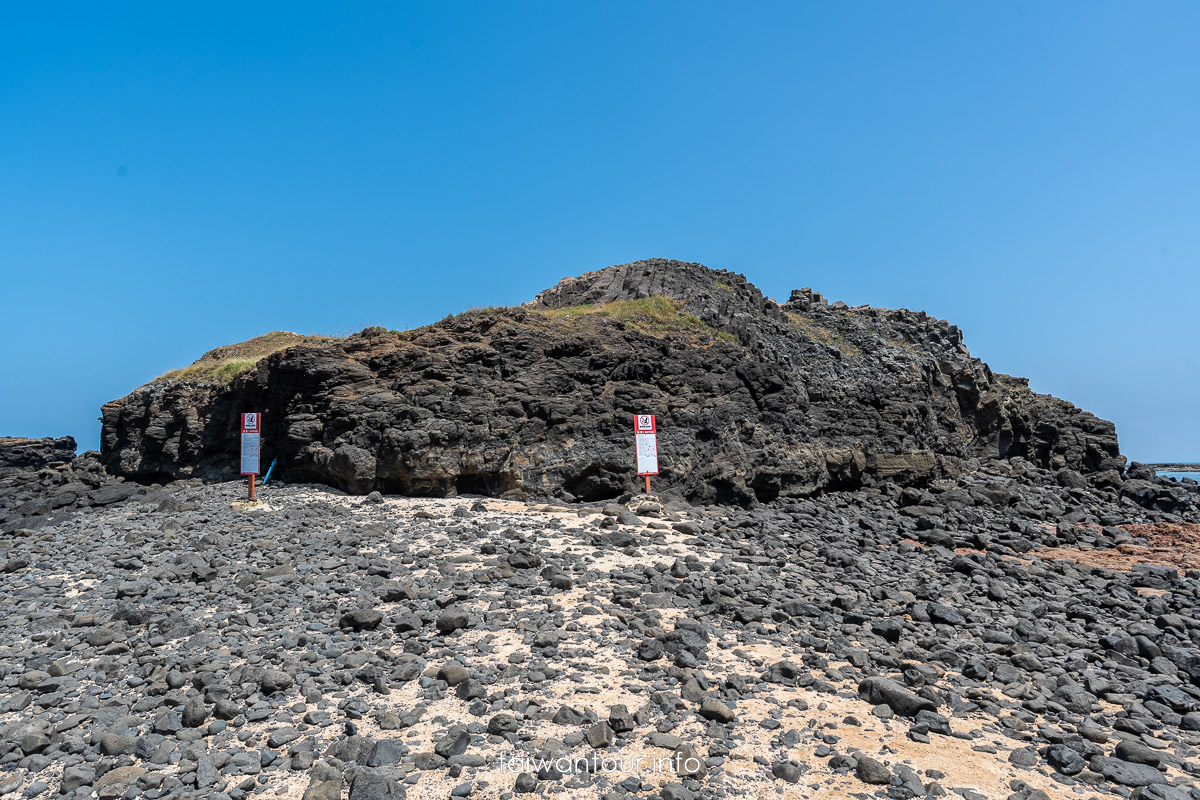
[
  {"x": 653, "y": 315},
  {"x": 222, "y": 365}
]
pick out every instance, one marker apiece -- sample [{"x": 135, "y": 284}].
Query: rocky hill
[{"x": 756, "y": 400}]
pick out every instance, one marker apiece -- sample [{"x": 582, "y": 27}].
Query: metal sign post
[
  {"x": 645, "y": 437},
  {"x": 251, "y": 447}
]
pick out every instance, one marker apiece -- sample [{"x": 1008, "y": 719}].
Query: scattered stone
[
  {"x": 452, "y": 619},
  {"x": 868, "y": 770},
  {"x": 786, "y": 771},
  {"x": 274, "y": 680},
  {"x": 361, "y": 619}
]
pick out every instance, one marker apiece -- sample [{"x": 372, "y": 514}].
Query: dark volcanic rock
[
  {"x": 361, "y": 619},
  {"x": 1126, "y": 773},
  {"x": 871, "y": 771},
  {"x": 34, "y": 454},
  {"x": 877, "y": 690},
  {"x": 42, "y": 481},
  {"x": 755, "y": 400},
  {"x": 370, "y": 785}
]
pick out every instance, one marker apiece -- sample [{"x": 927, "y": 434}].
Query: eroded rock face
[
  {"x": 33, "y": 454},
  {"x": 755, "y": 401},
  {"x": 42, "y": 481}
]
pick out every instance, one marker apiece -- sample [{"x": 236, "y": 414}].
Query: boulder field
[{"x": 184, "y": 644}]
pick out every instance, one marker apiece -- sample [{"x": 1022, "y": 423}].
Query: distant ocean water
[{"x": 1178, "y": 475}]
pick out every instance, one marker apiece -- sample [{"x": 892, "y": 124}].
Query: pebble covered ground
[{"x": 316, "y": 645}]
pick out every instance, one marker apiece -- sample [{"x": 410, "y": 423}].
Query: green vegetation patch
[
  {"x": 825, "y": 336},
  {"x": 222, "y": 365},
  {"x": 651, "y": 315}
]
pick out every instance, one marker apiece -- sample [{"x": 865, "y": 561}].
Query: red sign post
[
  {"x": 251, "y": 446},
  {"x": 645, "y": 437}
]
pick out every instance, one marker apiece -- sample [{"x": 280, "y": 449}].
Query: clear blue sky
[{"x": 172, "y": 180}]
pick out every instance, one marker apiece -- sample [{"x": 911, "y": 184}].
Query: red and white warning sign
[
  {"x": 251, "y": 424},
  {"x": 645, "y": 437}
]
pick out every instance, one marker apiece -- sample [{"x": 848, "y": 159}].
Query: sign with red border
[
  {"x": 251, "y": 443},
  {"x": 645, "y": 437}
]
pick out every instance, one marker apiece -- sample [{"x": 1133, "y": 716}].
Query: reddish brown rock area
[{"x": 1168, "y": 544}]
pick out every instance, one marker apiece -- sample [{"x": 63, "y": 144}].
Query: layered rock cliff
[{"x": 755, "y": 399}]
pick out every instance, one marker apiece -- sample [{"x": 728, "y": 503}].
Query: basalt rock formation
[
  {"x": 756, "y": 400},
  {"x": 26, "y": 454},
  {"x": 42, "y": 481}
]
